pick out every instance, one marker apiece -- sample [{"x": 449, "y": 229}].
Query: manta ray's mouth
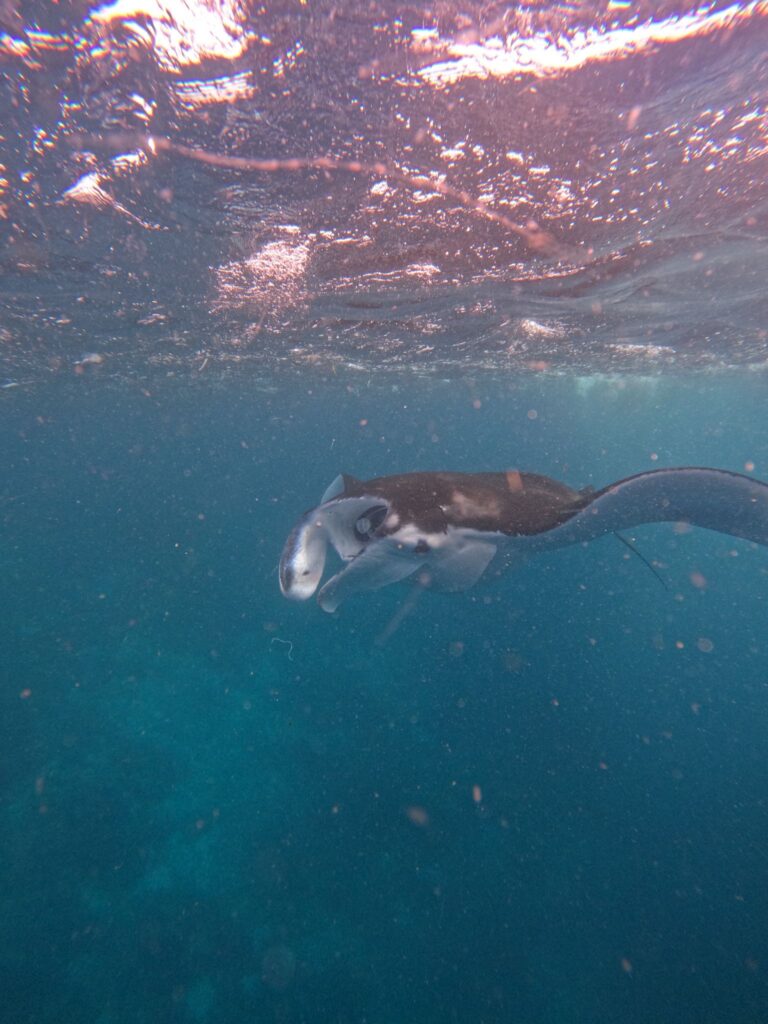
[
  {"x": 303, "y": 559},
  {"x": 350, "y": 525}
]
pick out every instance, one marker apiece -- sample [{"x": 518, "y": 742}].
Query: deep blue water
[{"x": 541, "y": 801}]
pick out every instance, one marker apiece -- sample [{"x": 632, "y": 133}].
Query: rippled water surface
[{"x": 572, "y": 185}]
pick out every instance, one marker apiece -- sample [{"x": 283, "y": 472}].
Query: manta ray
[{"x": 449, "y": 527}]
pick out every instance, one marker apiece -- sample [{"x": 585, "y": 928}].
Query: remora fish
[{"x": 450, "y": 526}]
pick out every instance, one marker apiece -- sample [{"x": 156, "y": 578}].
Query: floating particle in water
[
  {"x": 633, "y": 117},
  {"x": 513, "y": 662},
  {"x": 278, "y": 967},
  {"x": 705, "y": 644},
  {"x": 89, "y": 359},
  {"x": 698, "y": 580},
  {"x": 417, "y": 816}
]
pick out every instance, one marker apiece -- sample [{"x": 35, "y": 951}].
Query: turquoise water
[{"x": 542, "y": 800}]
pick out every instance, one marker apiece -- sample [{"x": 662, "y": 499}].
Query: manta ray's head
[{"x": 349, "y": 523}]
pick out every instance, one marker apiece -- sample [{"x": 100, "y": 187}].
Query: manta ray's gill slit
[{"x": 537, "y": 239}]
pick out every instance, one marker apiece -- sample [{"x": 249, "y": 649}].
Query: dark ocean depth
[{"x": 542, "y": 801}]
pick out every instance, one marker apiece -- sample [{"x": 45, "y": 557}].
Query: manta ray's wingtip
[
  {"x": 327, "y": 603},
  {"x": 341, "y": 484}
]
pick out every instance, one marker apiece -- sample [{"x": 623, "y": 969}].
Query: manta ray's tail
[{"x": 713, "y": 498}]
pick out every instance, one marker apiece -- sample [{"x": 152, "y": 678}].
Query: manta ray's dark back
[{"x": 513, "y": 502}]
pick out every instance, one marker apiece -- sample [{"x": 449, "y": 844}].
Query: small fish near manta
[{"x": 451, "y": 526}]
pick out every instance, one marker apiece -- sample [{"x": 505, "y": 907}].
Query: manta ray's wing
[
  {"x": 339, "y": 485},
  {"x": 456, "y": 564},
  {"x": 459, "y": 563},
  {"x": 379, "y": 564},
  {"x": 715, "y": 499}
]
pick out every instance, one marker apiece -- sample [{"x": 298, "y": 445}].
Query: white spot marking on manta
[
  {"x": 410, "y": 535},
  {"x": 467, "y": 508}
]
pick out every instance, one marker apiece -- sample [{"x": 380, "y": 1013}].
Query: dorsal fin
[{"x": 343, "y": 483}]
